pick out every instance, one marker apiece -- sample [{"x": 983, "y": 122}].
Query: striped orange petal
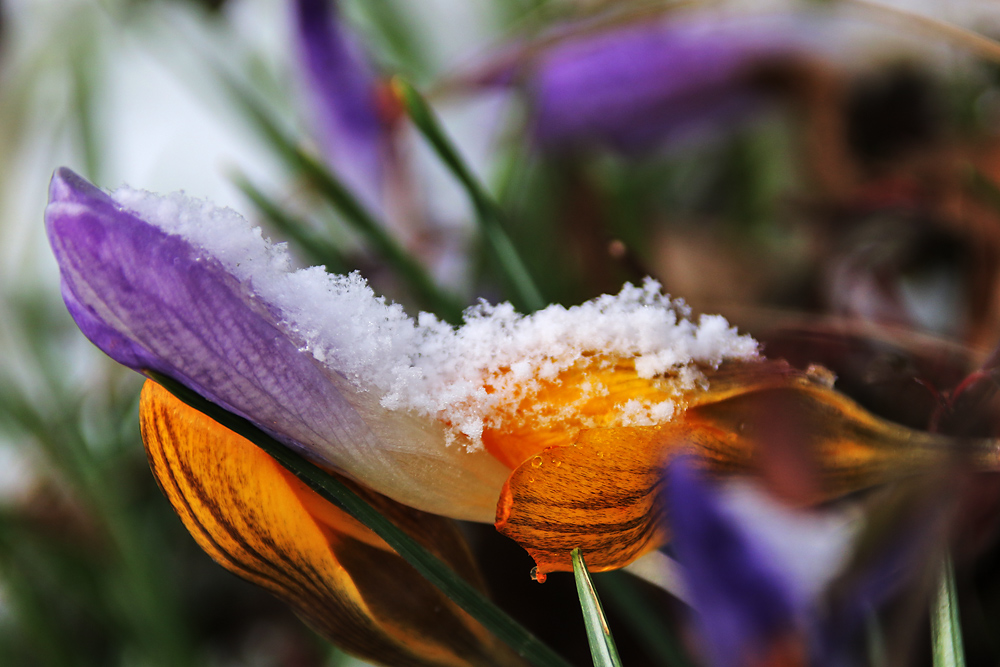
[
  {"x": 260, "y": 522},
  {"x": 598, "y": 488}
]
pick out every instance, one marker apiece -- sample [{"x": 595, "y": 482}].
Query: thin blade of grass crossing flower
[
  {"x": 643, "y": 618},
  {"x": 343, "y": 200},
  {"x": 526, "y": 293},
  {"x": 602, "y": 644},
  {"x": 335, "y": 491},
  {"x": 262, "y": 523},
  {"x": 946, "y": 629},
  {"x": 399, "y": 44},
  {"x": 318, "y": 249}
]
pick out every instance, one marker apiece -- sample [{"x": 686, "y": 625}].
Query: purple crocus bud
[
  {"x": 343, "y": 88},
  {"x": 746, "y": 605},
  {"x": 643, "y": 86}
]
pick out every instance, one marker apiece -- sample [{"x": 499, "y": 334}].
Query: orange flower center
[{"x": 596, "y": 392}]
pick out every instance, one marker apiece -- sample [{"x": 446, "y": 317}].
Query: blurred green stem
[
  {"x": 318, "y": 249},
  {"x": 526, "y": 294},
  {"x": 946, "y": 629}
]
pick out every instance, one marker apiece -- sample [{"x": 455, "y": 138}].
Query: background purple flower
[
  {"x": 342, "y": 86},
  {"x": 769, "y": 583},
  {"x": 641, "y": 86}
]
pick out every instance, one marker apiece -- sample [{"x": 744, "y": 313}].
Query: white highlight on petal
[{"x": 472, "y": 377}]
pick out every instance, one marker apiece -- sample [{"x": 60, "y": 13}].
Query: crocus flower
[
  {"x": 556, "y": 425},
  {"x": 344, "y": 93}
]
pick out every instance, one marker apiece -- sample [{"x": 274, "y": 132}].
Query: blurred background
[{"x": 826, "y": 174}]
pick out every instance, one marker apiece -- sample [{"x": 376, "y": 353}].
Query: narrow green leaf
[
  {"x": 401, "y": 45},
  {"x": 319, "y": 250},
  {"x": 602, "y": 644},
  {"x": 468, "y": 598},
  {"x": 525, "y": 292},
  {"x": 343, "y": 200},
  {"x": 946, "y": 630},
  {"x": 620, "y": 591}
]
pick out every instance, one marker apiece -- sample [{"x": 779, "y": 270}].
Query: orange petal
[
  {"x": 260, "y": 522},
  {"x": 601, "y": 492}
]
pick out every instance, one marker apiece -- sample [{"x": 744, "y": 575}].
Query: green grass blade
[
  {"x": 525, "y": 292},
  {"x": 343, "y": 200},
  {"x": 946, "y": 630},
  {"x": 623, "y": 597},
  {"x": 431, "y": 567},
  {"x": 403, "y": 47},
  {"x": 319, "y": 250},
  {"x": 602, "y": 644}
]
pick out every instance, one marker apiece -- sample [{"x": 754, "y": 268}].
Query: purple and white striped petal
[
  {"x": 342, "y": 87},
  {"x": 154, "y": 299}
]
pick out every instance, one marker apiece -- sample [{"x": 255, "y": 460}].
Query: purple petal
[
  {"x": 744, "y": 602},
  {"x": 342, "y": 87},
  {"x": 151, "y": 301},
  {"x": 643, "y": 86}
]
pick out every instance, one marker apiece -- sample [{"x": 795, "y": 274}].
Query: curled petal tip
[
  {"x": 67, "y": 185},
  {"x": 67, "y": 188}
]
